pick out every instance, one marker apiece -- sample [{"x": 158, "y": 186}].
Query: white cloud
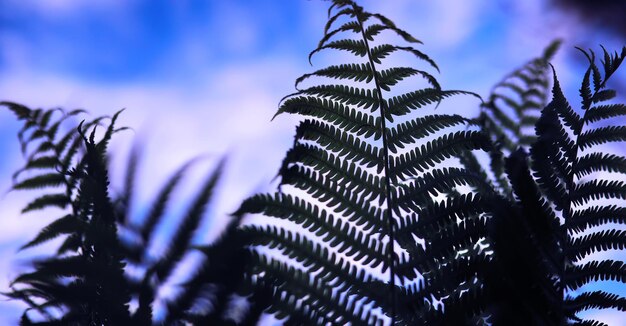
[
  {"x": 442, "y": 23},
  {"x": 63, "y": 8},
  {"x": 239, "y": 35}
]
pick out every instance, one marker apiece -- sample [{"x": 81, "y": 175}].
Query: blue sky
[{"x": 206, "y": 76}]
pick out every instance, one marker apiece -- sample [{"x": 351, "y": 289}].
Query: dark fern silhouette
[
  {"x": 568, "y": 201},
  {"x": 86, "y": 279},
  {"x": 385, "y": 213},
  {"x": 358, "y": 192},
  {"x": 203, "y": 298},
  {"x": 358, "y": 188},
  {"x": 581, "y": 182}
]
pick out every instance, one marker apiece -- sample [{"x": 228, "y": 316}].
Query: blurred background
[{"x": 205, "y": 77}]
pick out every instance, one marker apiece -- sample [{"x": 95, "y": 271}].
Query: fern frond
[
  {"x": 407, "y": 133},
  {"x": 21, "y": 111},
  {"x": 554, "y": 151},
  {"x": 129, "y": 184},
  {"x": 428, "y": 220},
  {"x": 405, "y": 103},
  {"x": 596, "y": 216},
  {"x": 315, "y": 299},
  {"x": 602, "y": 135},
  {"x": 347, "y": 201},
  {"x": 341, "y": 201},
  {"x": 598, "y": 241},
  {"x": 72, "y": 266},
  {"x": 334, "y": 112},
  {"x": 435, "y": 152},
  {"x": 421, "y": 191},
  {"x": 41, "y": 181},
  {"x": 599, "y": 162},
  {"x": 380, "y": 52},
  {"x": 71, "y": 244},
  {"x": 342, "y": 144},
  {"x": 598, "y": 189},
  {"x": 321, "y": 260},
  {"x": 525, "y": 91},
  {"x": 541, "y": 220},
  {"x": 347, "y": 95},
  {"x": 356, "y": 72},
  {"x": 157, "y": 210},
  {"x": 341, "y": 171},
  {"x": 181, "y": 239},
  {"x": 356, "y": 175},
  {"x": 54, "y": 200},
  {"x": 88, "y": 256},
  {"x": 220, "y": 272},
  {"x": 596, "y": 300},
  {"x": 606, "y": 270},
  {"x": 39, "y": 162},
  {"x": 356, "y": 47},
  {"x": 578, "y": 183},
  {"x": 390, "y": 77},
  {"x": 605, "y": 112},
  {"x": 312, "y": 218},
  {"x": 67, "y": 224},
  {"x": 513, "y": 108}
]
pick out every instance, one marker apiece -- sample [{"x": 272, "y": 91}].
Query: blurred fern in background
[{"x": 85, "y": 282}]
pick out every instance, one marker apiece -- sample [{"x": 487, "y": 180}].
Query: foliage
[
  {"x": 387, "y": 211},
  {"x": 359, "y": 185},
  {"x": 576, "y": 181},
  {"x": 511, "y": 111},
  {"x": 86, "y": 279},
  {"x": 374, "y": 219}
]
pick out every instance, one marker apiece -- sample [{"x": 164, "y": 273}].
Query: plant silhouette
[
  {"x": 511, "y": 111},
  {"x": 358, "y": 188},
  {"x": 86, "y": 279},
  {"x": 388, "y": 210},
  {"x": 573, "y": 191},
  {"x": 374, "y": 219}
]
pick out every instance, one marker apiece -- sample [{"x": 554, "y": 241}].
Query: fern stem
[{"x": 385, "y": 155}]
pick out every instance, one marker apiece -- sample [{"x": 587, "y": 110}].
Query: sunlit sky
[{"x": 206, "y": 77}]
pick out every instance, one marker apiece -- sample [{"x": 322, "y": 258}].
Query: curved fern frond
[
  {"x": 582, "y": 182},
  {"x": 413, "y": 130},
  {"x": 436, "y": 151},
  {"x": 596, "y": 216},
  {"x": 202, "y": 297},
  {"x": 598, "y": 241},
  {"x": 317, "y": 221},
  {"x": 86, "y": 280},
  {"x": 352, "y": 177},
  {"x": 67, "y": 224},
  {"x": 512, "y": 110},
  {"x": 181, "y": 240},
  {"x": 610, "y": 270},
  {"x": 605, "y": 112},
  {"x": 596, "y": 300},
  {"x": 355, "y": 72},
  {"x": 333, "y": 112},
  {"x": 91, "y": 260},
  {"x": 601, "y": 135}
]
